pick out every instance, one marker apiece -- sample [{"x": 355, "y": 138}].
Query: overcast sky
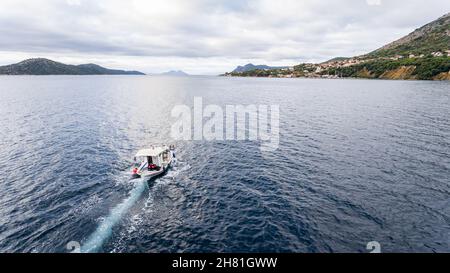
[{"x": 201, "y": 36}]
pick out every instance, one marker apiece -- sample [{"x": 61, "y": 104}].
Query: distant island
[
  {"x": 422, "y": 55},
  {"x": 175, "y": 73},
  {"x": 41, "y": 66},
  {"x": 251, "y": 67}
]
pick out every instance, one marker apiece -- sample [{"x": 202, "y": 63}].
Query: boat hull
[{"x": 149, "y": 175}]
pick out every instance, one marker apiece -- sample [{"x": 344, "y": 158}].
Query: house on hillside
[{"x": 437, "y": 54}]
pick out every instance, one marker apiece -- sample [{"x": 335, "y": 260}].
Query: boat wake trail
[
  {"x": 134, "y": 228},
  {"x": 104, "y": 230},
  {"x": 96, "y": 240}
]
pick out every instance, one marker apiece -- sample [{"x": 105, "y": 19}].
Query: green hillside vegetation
[
  {"x": 305, "y": 68},
  {"x": 425, "y": 68},
  {"x": 260, "y": 73},
  {"x": 422, "y": 45},
  {"x": 424, "y": 54},
  {"x": 41, "y": 66}
]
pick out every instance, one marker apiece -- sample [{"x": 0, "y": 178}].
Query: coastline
[{"x": 339, "y": 78}]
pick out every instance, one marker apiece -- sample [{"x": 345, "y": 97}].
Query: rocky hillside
[
  {"x": 48, "y": 67},
  {"x": 431, "y": 38},
  {"x": 424, "y": 54}
]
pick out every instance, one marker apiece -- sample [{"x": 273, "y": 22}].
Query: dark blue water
[{"x": 358, "y": 161}]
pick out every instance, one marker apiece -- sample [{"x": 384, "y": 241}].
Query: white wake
[{"x": 104, "y": 230}]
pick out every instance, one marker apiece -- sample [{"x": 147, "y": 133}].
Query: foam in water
[
  {"x": 137, "y": 219},
  {"x": 104, "y": 230}
]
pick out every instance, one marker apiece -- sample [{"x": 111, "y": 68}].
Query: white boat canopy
[{"x": 156, "y": 151}]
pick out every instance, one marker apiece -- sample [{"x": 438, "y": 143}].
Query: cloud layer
[{"x": 203, "y": 36}]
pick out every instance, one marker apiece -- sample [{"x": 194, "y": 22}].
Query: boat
[{"x": 153, "y": 162}]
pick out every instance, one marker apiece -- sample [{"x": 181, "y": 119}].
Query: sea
[{"x": 358, "y": 161}]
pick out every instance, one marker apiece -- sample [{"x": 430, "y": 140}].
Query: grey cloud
[{"x": 254, "y": 29}]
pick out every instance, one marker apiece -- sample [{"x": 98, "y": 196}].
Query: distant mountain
[
  {"x": 251, "y": 67},
  {"x": 42, "y": 66},
  {"x": 432, "y": 37},
  {"x": 175, "y": 73}
]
